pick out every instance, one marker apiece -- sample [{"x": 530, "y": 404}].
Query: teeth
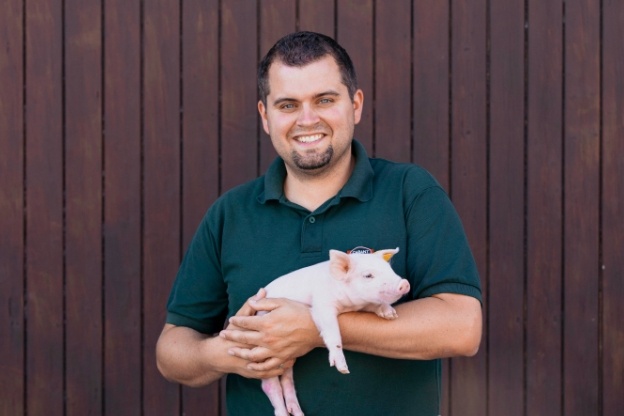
[{"x": 309, "y": 139}]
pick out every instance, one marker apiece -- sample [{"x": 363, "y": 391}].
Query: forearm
[
  {"x": 188, "y": 357},
  {"x": 434, "y": 327}
]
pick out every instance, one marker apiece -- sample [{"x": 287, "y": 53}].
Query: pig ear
[
  {"x": 339, "y": 264},
  {"x": 387, "y": 254}
]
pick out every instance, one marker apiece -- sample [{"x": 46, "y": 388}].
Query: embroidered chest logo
[{"x": 361, "y": 250}]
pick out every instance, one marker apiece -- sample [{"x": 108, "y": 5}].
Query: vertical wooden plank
[
  {"x": 122, "y": 207},
  {"x": 44, "y": 208},
  {"x": 277, "y": 19},
  {"x": 431, "y": 106},
  {"x": 239, "y": 117},
  {"x": 200, "y": 140},
  {"x": 83, "y": 173},
  {"x": 431, "y": 87},
  {"x": 317, "y": 16},
  {"x": 161, "y": 188},
  {"x": 581, "y": 206},
  {"x": 612, "y": 208},
  {"x": 393, "y": 81},
  {"x": 354, "y": 31},
  {"x": 11, "y": 210},
  {"x": 544, "y": 209},
  {"x": 506, "y": 210},
  {"x": 468, "y": 177}
]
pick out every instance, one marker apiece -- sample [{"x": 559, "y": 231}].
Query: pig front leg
[
  {"x": 326, "y": 319},
  {"x": 384, "y": 310}
]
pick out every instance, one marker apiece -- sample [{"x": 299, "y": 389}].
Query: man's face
[{"x": 309, "y": 115}]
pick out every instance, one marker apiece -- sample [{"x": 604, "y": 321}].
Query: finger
[
  {"x": 241, "y": 336},
  {"x": 250, "y": 320},
  {"x": 256, "y": 354},
  {"x": 271, "y": 364}
]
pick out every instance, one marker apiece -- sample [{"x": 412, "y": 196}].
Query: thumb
[{"x": 248, "y": 308}]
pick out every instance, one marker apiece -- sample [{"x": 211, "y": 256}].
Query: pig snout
[{"x": 403, "y": 287}]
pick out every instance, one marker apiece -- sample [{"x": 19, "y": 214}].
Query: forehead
[{"x": 301, "y": 81}]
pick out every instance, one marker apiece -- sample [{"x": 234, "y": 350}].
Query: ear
[
  {"x": 339, "y": 264},
  {"x": 387, "y": 254},
  {"x": 358, "y": 105},
  {"x": 263, "y": 116}
]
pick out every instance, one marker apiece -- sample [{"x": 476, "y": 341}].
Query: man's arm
[
  {"x": 189, "y": 357},
  {"x": 444, "y": 325}
]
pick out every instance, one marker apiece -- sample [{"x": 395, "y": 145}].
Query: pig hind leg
[
  {"x": 273, "y": 389},
  {"x": 290, "y": 395}
]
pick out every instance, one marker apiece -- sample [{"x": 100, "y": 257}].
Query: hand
[{"x": 283, "y": 331}]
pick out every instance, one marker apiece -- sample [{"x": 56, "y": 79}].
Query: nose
[
  {"x": 307, "y": 116},
  {"x": 404, "y": 286}
]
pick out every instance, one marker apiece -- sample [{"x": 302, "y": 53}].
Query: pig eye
[{"x": 369, "y": 275}]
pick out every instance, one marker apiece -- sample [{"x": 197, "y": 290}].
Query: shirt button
[{"x": 312, "y": 220}]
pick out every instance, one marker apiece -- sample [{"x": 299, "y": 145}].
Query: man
[{"x": 323, "y": 192}]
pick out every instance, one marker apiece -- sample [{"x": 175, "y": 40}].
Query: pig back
[{"x": 300, "y": 285}]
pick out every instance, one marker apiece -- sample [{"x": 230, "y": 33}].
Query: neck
[{"x": 311, "y": 191}]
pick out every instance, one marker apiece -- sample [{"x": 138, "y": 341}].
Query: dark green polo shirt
[{"x": 253, "y": 234}]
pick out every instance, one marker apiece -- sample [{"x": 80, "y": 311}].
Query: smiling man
[{"x": 323, "y": 192}]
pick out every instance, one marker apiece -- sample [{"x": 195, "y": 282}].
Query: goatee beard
[{"x": 313, "y": 161}]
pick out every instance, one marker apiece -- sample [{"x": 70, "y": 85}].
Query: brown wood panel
[
  {"x": 122, "y": 207},
  {"x": 544, "y": 209},
  {"x": 317, "y": 16},
  {"x": 581, "y": 206},
  {"x": 469, "y": 179},
  {"x": 277, "y": 18},
  {"x": 239, "y": 120},
  {"x": 11, "y": 210},
  {"x": 354, "y": 31},
  {"x": 44, "y": 208},
  {"x": 612, "y": 198},
  {"x": 393, "y": 95},
  {"x": 506, "y": 208},
  {"x": 200, "y": 157},
  {"x": 431, "y": 106},
  {"x": 83, "y": 211},
  {"x": 161, "y": 188},
  {"x": 431, "y": 87}
]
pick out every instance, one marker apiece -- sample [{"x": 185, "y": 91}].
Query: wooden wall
[{"x": 122, "y": 120}]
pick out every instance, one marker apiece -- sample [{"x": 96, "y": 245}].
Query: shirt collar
[{"x": 359, "y": 185}]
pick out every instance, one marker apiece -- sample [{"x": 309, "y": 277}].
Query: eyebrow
[{"x": 321, "y": 94}]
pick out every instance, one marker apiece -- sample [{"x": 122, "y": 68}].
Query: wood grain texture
[
  {"x": 122, "y": 207},
  {"x": 612, "y": 203},
  {"x": 506, "y": 207},
  {"x": 544, "y": 208},
  {"x": 581, "y": 206},
  {"x": 12, "y": 221},
  {"x": 83, "y": 207}
]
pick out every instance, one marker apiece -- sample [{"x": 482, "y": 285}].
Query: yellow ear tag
[{"x": 387, "y": 256}]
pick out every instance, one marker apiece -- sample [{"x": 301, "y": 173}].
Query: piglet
[{"x": 346, "y": 282}]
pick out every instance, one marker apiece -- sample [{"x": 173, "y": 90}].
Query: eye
[
  {"x": 368, "y": 275},
  {"x": 325, "y": 100},
  {"x": 287, "y": 106}
]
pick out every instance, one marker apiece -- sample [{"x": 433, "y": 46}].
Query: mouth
[{"x": 310, "y": 138}]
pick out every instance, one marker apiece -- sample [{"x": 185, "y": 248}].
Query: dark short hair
[{"x": 300, "y": 49}]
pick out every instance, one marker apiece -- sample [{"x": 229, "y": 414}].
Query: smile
[{"x": 310, "y": 138}]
